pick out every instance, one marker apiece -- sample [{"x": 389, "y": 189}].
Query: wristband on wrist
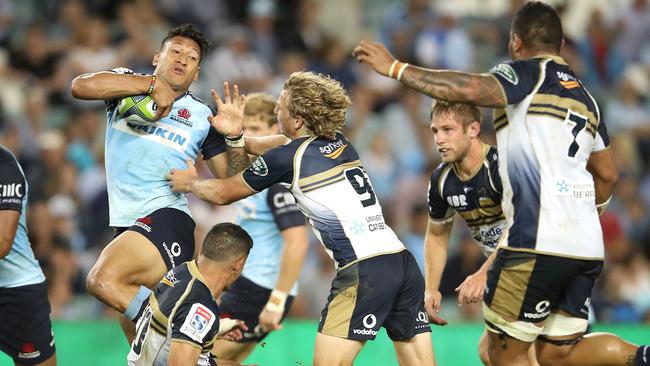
[
  {"x": 602, "y": 206},
  {"x": 276, "y": 301},
  {"x": 401, "y": 71},
  {"x": 152, "y": 83},
  {"x": 391, "y": 70},
  {"x": 238, "y": 141}
]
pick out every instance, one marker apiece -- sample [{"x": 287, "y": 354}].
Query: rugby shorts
[
  {"x": 171, "y": 231},
  {"x": 383, "y": 291},
  {"x": 525, "y": 290},
  {"x": 25, "y": 327}
]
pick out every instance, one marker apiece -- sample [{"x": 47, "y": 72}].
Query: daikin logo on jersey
[{"x": 161, "y": 133}]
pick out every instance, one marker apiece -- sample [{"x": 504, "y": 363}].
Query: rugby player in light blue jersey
[
  {"x": 25, "y": 327},
  {"x": 263, "y": 294},
  {"x": 154, "y": 231}
]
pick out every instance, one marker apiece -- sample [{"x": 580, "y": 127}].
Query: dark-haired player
[
  {"x": 153, "y": 228},
  {"x": 557, "y": 175},
  {"x": 181, "y": 321}
]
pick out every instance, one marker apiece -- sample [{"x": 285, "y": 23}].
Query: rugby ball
[{"x": 137, "y": 109}]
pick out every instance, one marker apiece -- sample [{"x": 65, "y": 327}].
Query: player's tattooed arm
[
  {"x": 454, "y": 86},
  {"x": 238, "y": 160}
]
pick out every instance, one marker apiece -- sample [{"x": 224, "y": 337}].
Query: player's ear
[
  {"x": 474, "y": 129},
  {"x": 156, "y": 56}
]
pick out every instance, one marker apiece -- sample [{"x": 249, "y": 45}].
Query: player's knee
[{"x": 99, "y": 281}]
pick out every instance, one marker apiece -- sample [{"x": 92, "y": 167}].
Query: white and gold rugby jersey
[
  {"x": 545, "y": 136},
  {"x": 333, "y": 191}
]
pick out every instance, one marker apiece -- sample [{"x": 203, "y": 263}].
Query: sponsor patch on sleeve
[
  {"x": 198, "y": 322},
  {"x": 259, "y": 167},
  {"x": 507, "y": 72}
]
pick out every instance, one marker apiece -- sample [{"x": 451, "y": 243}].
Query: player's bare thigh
[
  {"x": 233, "y": 351},
  {"x": 335, "y": 351},
  {"x": 127, "y": 262},
  {"x": 417, "y": 351}
]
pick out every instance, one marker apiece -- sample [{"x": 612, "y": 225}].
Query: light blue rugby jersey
[
  {"x": 139, "y": 156},
  {"x": 264, "y": 215},
  {"x": 19, "y": 267}
]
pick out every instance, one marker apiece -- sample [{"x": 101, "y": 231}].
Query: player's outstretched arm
[
  {"x": 452, "y": 86},
  {"x": 217, "y": 191},
  {"x": 183, "y": 353},
  {"x": 293, "y": 256},
  {"x": 8, "y": 226},
  {"x": 260, "y": 145},
  {"x": 436, "y": 247}
]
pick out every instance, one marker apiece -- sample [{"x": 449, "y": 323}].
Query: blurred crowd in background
[{"x": 59, "y": 141}]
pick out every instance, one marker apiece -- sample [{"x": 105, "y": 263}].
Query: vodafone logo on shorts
[
  {"x": 369, "y": 322},
  {"x": 172, "y": 252},
  {"x": 543, "y": 308}
]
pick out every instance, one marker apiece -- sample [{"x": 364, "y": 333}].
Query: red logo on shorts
[
  {"x": 145, "y": 220},
  {"x": 184, "y": 113},
  {"x": 28, "y": 348}
]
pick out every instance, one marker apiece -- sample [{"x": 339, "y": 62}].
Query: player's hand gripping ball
[{"x": 138, "y": 109}]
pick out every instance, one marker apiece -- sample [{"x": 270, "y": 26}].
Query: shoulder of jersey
[
  {"x": 196, "y": 99},
  {"x": 438, "y": 171}
]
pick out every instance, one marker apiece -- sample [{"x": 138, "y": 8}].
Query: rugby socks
[
  {"x": 135, "y": 307},
  {"x": 643, "y": 356}
]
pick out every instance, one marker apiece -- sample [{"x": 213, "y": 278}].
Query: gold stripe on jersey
[
  {"x": 327, "y": 175},
  {"x": 567, "y": 103},
  {"x": 194, "y": 271},
  {"x": 314, "y": 186},
  {"x": 511, "y": 288},
  {"x": 298, "y": 155},
  {"x": 484, "y": 221},
  {"x": 160, "y": 328},
  {"x": 158, "y": 315},
  {"x": 340, "y": 309},
  {"x": 481, "y": 213},
  {"x": 442, "y": 178},
  {"x": 500, "y": 118}
]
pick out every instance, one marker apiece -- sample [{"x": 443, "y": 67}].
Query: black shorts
[
  {"x": 245, "y": 300},
  {"x": 25, "y": 327},
  {"x": 387, "y": 290},
  {"x": 171, "y": 231},
  {"x": 527, "y": 286}
]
